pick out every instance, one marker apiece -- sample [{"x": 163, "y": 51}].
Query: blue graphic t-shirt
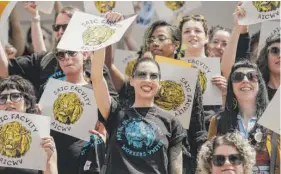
[
  {"x": 92, "y": 156},
  {"x": 140, "y": 139}
]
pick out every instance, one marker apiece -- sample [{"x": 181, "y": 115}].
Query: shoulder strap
[{"x": 273, "y": 153}]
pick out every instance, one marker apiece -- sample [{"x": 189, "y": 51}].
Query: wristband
[{"x": 36, "y": 19}]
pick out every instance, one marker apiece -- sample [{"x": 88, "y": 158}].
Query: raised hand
[{"x": 31, "y": 8}]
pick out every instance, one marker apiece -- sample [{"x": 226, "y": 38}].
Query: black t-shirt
[
  {"x": 92, "y": 156},
  {"x": 7, "y": 170},
  {"x": 271, "y": 92},
  {"x": 140, "y": 138}
]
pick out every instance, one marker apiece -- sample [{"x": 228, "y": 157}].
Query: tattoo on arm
[{"x": 175, "y": 159}]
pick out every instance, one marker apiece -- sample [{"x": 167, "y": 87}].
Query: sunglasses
[
  {"x": 143, "y": 75},
  {"x": 56, "y": 27},
  {"x": 195, "y": 17},
  {"x": 234, "y": 159},
  {"x": 60, "y": 55},
  {"x": 274, "y": 51},
  {"x": 14, "y": 97},
  {"x": 239, "y": 76}
]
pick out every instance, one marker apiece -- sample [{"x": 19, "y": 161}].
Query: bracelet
[{"x": 36, "y": 19}]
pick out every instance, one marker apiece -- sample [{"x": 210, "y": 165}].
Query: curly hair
[
  {"x": 227, "y": 120},
  {"x": 22, "y": 85},
  {"x": 262, "y": 61},
  {"x": 234, "y": 139},
  {"x": 174, "y": 32}
]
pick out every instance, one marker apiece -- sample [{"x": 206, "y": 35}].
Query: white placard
[
  {"x": 72, "y": 108},
  {"x": 169, "y": 10},
  {"x": 259, "y": 11},
  {"x": 6, "y": 8},
  {"x": 125, "y": 61},
  {"x": 208, "y": 68},
  {"x": 101, "y": 7},
  {"x": 178, "y": 83},
  {"x": 45, "y": 6},
  {"x": 268, "y": 28},
  {"x": 271, "y": 116},
  {"x": 20, "y": 138},
  {"x": 87, "y": 32}
]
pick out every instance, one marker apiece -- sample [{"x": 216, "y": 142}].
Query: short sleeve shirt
[{"x": 140, "y": 139}]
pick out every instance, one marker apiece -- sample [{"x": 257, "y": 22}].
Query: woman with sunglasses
[
  {"x": 269, "y": 64},
  {"x": 246, "y": 101},
  {"x": 18, "y": 95},
  {"x": 143, "y": 138},
  {"x": 230, "y": 153}
]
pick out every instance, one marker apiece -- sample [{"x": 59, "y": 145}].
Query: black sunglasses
[
  {"x": 14, "y": 97},
  {"x": 143, "y": 75},
  {"x": 60, "y": 55},
  {"x": 234, "y": 159},
  {"x": 56, "y": 27},
  {"x": 239, "y": 76},
  {"x": 274, "y": 51}
]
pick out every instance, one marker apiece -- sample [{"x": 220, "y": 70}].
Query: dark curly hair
[
  {"x": 22, "y": 85},
  {"x": 262, "y": 61},
  {"x": 174, "y": 32},
  {"x": 227, "y": 119}
]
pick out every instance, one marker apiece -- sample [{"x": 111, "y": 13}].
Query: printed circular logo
[
  {"x": 202, "y": 80},
  {"x": 67, "y": 108},
  {"x": 174, "y": 5},
  {"x": 171, "y": 95},
  {"x": 15, "y": 140},
  {"x": 96, "y": 35},
  {"x": 129, "y": 67},
  {"x": 104, "y": 6},
  {"x": 138, "y": 137},
  {"x": 266, "y": 6}
]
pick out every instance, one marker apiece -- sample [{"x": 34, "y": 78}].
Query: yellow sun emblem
[
  {"x": 95, "y": 35},
  {"x": 105, "y": 6},
  {"x": 174, "y": 5}
]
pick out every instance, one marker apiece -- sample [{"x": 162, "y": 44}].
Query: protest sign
[
  {"x": 6, "y": 8},
  {"x": 87, "y": 32},
  {"x": 20, "y": 138},
  {"x": 125, "y": 61},
  {"x": 259, "y": 11},
  {"x": 208, "y": 68},
  {"x": 178, "y": 83},
  {"x": 45, "y": 6},
  {"x": 72, "y": 108}
]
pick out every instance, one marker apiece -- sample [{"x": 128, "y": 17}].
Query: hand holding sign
[{"x": 31, "y": 8}]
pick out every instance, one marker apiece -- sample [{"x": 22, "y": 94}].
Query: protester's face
[
  {"x": 71, "y": 62},
  {"x": 232, "y": 165},
  {"x": 161, "y": 42},
  {"x": 245, "y": 87},
  {"x": 218, "y": 43},
  {"x": 146, "y": 80},
  {"x": 14, "y": 101},
  {"x": 193, "y": 35},
  {"x": 274, "y": 58},
  {"x": 61, "y": 19}
]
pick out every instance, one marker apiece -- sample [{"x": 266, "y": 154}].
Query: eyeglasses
[
  {"x": 56, "y": 27},
  {"x": 60, "y": 55},
  {"x": 143, "y": 75},
  {"x": 274, "y": 51},
  {"x": 195, "y": 17},
  {"x": 239, "y": 76},
  {"x": 234, "y": 159},
  {"x": 14, "y": 97},
  {"x": 159, "y": 39}
]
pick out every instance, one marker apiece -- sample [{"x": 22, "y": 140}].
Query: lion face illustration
[
  {"x": 266, "y": 6},
  {"x": 95, "y": 35},
  {"x": 171, "y": 95},
  {"x": 15, "y": 140},
  {"x": 129, "y": 67},
  {"x": 67, "y": 108},
  {"x": 105, "y": 6},
  {"x": 174, "y": 5}
]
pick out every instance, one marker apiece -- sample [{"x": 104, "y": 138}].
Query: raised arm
[
  {"x": 229, "y": 55},
  {"x": 36, "y": 31},
  {"x": 117, "y": 77},
  {"x": 3, "y": 63},
  {"x": 17, "y": 36},
  {"x": 100, "y": 87}
]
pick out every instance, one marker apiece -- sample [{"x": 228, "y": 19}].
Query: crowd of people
[{"x": 133, "y": 135}]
